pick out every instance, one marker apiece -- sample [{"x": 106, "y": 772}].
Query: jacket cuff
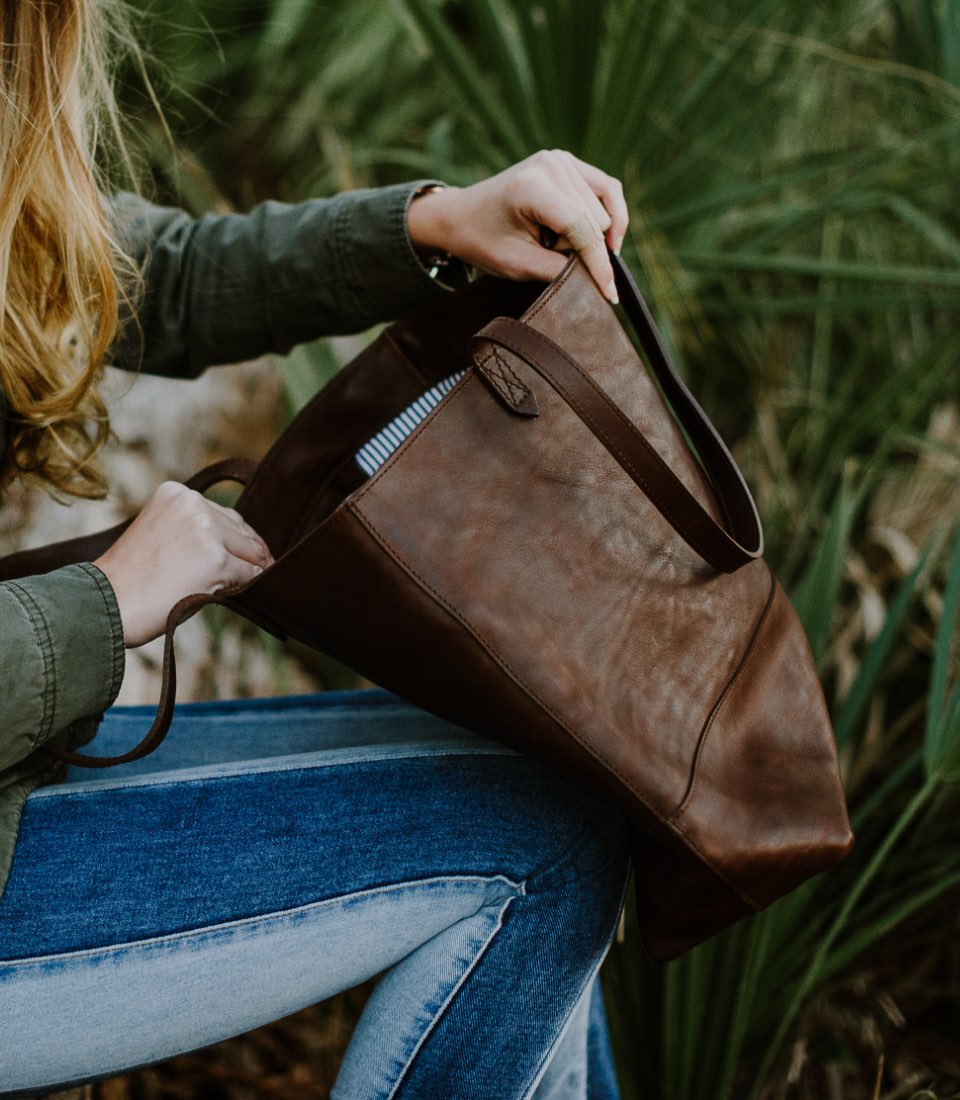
[
  {"x": 381, "y": 268},
  {"x": 64, "y": 657}
]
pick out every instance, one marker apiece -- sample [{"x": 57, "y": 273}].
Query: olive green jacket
[{"x": 218, "y": 289}]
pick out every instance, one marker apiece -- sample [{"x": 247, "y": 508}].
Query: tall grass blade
[
  {"x": 854, "y": 946},
  {"x": 814, "y": 972},
  {"x": 903, "y": 274},
  {"x": 937, "y": 746},
  {"x": 815, "y": 597},
  {"x": 496, "y": 114},
  {"x": 877, "y": 655}
]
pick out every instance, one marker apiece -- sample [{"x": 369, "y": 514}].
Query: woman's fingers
[
  {"x": 235, "y": 571},
  {"x": 244, "y": 541},
  {"x": 241, "y": 541},
  {"x": 566, "y": 216},
  {"x": 610, "y": 192},
  {"x": 580, "y": 189},
  {"x": 180, "y": 544},
  {"x": 501, "y": 225}
]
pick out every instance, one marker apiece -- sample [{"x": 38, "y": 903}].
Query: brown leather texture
[{"x": 545, "y": 561}]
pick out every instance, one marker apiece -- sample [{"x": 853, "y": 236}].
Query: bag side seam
[
  {"x": 738, "y": 672},
  {"x": 390, "y": 339}
]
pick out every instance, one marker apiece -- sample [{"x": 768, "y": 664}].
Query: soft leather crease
[{"x": 570, "y": 580}]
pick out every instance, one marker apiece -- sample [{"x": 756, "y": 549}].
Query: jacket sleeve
[
  {"x": 61, "y": 655},
  {"x": 224, "y": 288}
]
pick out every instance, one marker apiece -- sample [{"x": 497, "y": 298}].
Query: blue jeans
[{"x": 274, "y": 852}]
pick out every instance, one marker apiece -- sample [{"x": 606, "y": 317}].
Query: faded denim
[{"x": 274, "y": 852}]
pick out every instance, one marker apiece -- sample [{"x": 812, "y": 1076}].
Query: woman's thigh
[{"x": 274, "y": 852}]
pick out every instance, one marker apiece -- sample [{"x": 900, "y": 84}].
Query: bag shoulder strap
[{"x": 725, "y": 550}]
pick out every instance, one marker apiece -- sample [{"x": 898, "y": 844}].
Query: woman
[{"x": 276, "y": 851}]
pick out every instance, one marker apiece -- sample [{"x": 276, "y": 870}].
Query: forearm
[{"x": 224, "y": 288}]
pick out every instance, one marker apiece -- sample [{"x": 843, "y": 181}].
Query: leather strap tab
[
  {"x": 507, "y": 384},
  {"x": 724, "y": 551}
]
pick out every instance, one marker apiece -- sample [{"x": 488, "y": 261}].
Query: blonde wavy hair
[{"x": 59, "y": 264}]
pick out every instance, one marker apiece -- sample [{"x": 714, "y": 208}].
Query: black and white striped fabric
[{"x": 377, "y": 450}]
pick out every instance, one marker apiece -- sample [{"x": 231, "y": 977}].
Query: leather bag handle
[
  {"x": 47, "y": 558},
  {"x": 181, "y": 611},
  {"x": 725, "y": 551},
  {"x": 44, "y": 559}
]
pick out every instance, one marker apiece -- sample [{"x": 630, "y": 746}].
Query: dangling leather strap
[
  {"x": 182, "y": 611},
  {"x": 725, "y": 551},
  {"x": 46, "y": 558}
]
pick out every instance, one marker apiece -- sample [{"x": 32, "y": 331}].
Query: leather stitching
[
  {"x": 412, "y": 439},
  {"x": 508, "y": 369},
  {"x": 497, "y": 657},
  {"x": 547, "y": 295},
  {"x": 512, "y": 390}
]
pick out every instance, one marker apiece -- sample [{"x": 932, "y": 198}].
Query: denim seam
[
  {"x": 438, "y": 1015},
  {"x": 311, "y": 701},
  {"x": 243, "y": 923},
  {"x": 548, "y": 1054},
  {"x": 161, "y": 779},
  {"x": 549, "y": 869}
]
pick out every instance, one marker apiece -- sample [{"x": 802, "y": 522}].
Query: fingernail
[
  {"x": 257, "y": 570},
  {"x": 616, "y": 251},
  {"x": 612, "y": 294}
]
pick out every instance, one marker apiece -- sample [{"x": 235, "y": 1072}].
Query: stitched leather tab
[{"x": 496, "y": 371}]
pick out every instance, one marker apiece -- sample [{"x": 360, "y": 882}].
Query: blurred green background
[{"x": 792, "y": 176}]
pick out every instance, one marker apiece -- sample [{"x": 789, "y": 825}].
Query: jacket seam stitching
[
  {"x": 351, "y": 281},
  {"x": 44, "y": 646},
  {"x": 117, "y": 664}
]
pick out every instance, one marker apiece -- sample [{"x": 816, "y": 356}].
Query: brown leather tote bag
[{"x": 562, "y": 556}]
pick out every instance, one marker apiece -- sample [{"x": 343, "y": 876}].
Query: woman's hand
[
  {"x": 497, "y": 225},
  {"x": 181, "y": 543}
]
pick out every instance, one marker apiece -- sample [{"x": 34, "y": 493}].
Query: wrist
[
  {"x": 116, "y": 580},
  {"x": 431, "y": 219}
]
